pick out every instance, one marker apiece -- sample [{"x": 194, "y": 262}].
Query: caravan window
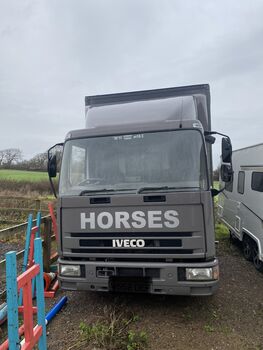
[
  {"x": 257, "y": 181},
  {"x": 241, "y": 182}
]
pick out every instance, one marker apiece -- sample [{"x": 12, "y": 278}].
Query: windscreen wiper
[
  {"x": 162, "y": 188},
  {"x": 103, "y": 190}
]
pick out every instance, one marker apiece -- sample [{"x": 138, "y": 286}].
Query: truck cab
[{"x": 135, "y": 208}]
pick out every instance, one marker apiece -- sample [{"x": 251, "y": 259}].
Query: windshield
[{"x": 168, "y": 159}]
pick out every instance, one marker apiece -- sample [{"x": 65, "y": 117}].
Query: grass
[
  {"x": 114, "y": 331},
  {"x": 25, "y": 183},
  {"x": 221, "y": 231},
  {"x": 209, "y": 328},
  {"x": 22, "y": 175},
  {"x": 216, "y": 185}
]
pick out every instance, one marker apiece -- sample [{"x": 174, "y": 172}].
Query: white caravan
[{"x": 240, "y": 205}]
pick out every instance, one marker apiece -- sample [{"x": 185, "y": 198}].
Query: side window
[
  {"x": 77, "y": 168},
  {"x": 241, "y": 182},
  {"x": 257, "y": 181},
  {"x": 229, "y": 186}
]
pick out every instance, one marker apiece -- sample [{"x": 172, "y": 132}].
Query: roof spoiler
[{"x": 200, "y": 93}]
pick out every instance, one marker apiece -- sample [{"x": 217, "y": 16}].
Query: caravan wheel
[
  {"x": 256, "y": 261},
  {"x": 247, "y": 248}
]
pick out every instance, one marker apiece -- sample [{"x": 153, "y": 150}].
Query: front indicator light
[
  {"x": 202, "y": 274},
  {"x": 70, "y": 270}
]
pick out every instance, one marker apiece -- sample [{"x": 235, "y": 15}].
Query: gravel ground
[{"x": 231, "y": 319}]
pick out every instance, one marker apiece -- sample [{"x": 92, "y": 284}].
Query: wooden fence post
[
  {"x": 33, "y": 335},
  {"x": 40, "y": 294},
  {"x": 12, "y": 300},
  {"x": 47, "y": 244},
  {"x": 26, "y": 253}
]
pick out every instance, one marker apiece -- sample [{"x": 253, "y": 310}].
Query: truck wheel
[
  {"x": 256, "y": 261},
  {"x": 247, "y": 248}
]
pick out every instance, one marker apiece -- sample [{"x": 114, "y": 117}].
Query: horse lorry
[
  {"x": 240, "y": 204},
  {"x": 135, "y": 207}
]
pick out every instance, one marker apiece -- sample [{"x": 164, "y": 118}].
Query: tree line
[{"x": 12, "y": 158}]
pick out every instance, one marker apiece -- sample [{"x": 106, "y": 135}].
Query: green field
[
  {"x": 216, "y": 185},
  {"x": 21, "y": 175}
]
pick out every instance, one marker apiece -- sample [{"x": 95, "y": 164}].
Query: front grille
[
  {"x": 148, "y": 243},
  {"x": 164, "y": 245}
]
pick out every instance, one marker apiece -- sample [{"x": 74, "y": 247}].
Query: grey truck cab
[{"x": 135, "y": 210}]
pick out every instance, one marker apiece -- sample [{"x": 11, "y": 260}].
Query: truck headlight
[
  {"x": 70, "y": 270},
  {"x": 202, "y": 274}
]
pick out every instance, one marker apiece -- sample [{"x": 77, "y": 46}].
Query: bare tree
[
  {"x": 38, "y": 162},
  {"x": 10, "y": 156},
  {"x": 2, "y": 157}
]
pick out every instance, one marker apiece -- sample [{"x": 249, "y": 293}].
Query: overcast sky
[{"x": 54, "y": 52}]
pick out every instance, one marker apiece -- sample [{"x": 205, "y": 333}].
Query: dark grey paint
[
  {"x": 195, "y": 208},
  {"x": 201, "y": 94}
]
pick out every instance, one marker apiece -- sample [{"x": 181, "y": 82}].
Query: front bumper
[{"x": 164, "y": 277}]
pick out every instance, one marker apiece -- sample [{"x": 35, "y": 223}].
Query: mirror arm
[
  {"x": 57, "y": 144},
  {"x": 216, "y": 192}
]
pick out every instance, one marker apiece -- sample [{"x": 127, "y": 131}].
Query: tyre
[
  {"x": 248, "y": 248},
  {"x": 256, "y": 261}
]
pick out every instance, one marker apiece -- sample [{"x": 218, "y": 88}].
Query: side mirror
[
  {"x": 226, "y": 172},
  {"x": 52, "y": 166},
  {"x": 226, "y": 150}
]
